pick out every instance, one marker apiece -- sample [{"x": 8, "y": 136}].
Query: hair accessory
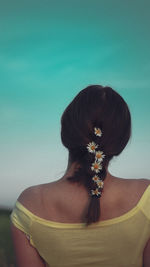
[
  {"x": 96, "y": 192},
  {"x": 92, "y": 147},
  {"x": 99, "y": 156},
  {"x": 98, "y": 131},
  {"x": 97, "y": 164}
]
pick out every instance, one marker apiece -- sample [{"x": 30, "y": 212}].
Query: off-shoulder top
[{"x": 117, "y": 242}]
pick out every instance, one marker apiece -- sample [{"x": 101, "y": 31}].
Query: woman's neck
[{"x": 72, "y": 168}]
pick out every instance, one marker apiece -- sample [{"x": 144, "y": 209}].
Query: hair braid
[
  {"x": 93, "y": 212},
  {"x": 90, "y": 179},
  {"x": 102, "y": 107}
]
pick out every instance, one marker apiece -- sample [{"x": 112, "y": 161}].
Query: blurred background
[{"x": 49, "y": 51}]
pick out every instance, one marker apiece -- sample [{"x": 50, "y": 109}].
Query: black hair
[{"x": 101, "y": 107}]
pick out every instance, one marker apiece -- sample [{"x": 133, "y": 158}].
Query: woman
[{"x": 88, "y": 217}]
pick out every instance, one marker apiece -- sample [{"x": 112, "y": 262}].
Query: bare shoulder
[
  {"x": 30, "y": 195},
  {"x": 141, "y": 184},
  {"x": 33, "y": 196},
  {"x": 137, "y": 187}
]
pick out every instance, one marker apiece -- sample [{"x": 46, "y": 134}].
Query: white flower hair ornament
[
  {"x": 92, "y": 147},
  {"x": 98, "y": 132},
  {"x": 96, "y": 165},
  {"x": 99, "y": 156}
]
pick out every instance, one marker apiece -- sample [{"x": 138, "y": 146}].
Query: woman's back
[
  {"x": 53, "y": 211},
  {"x": 64, "y": 202}
]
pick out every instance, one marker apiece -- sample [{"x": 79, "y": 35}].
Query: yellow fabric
[{"x": 118, "y": 242}]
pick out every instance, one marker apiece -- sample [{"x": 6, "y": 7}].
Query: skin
[{"x": 123, "y": 195}]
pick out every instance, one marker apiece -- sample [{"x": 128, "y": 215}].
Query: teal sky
[{"x": 49, "y": 51}]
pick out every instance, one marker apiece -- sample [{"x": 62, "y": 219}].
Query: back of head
[{"x": 104, "y": 108}]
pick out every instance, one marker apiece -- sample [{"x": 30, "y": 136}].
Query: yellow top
[{"x": 117, "y": 242}]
